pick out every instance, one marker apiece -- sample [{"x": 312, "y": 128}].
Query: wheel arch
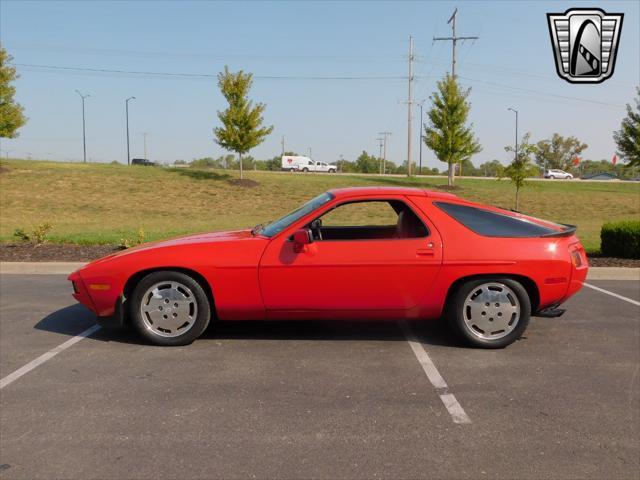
[
  {"x": 528, "y": 284},
  {"x": 133, "y": 280}
]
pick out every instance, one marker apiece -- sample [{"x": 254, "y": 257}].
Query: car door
[{"x": 374, "y": 276}]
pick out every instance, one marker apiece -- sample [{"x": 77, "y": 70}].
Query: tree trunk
[
  {"x": 450, "y": 182},
  {"x": 517, "y": 199},
  {"x": 240, "y": 162}
]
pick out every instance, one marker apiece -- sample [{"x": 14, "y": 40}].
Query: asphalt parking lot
[{"x": 317, "y": 399}]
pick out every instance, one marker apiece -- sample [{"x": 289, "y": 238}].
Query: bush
[
  {"x": 37, "y": 236},
  {"x": 621, "y": 239},
  {"x": 129, "y": 242}
]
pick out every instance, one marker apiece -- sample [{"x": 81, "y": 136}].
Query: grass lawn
[{"x": 97, "y": 203}]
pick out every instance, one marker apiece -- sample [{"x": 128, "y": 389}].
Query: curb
[
  {"x": 65, "y": 268},
  {"x": 39, "y": 268},
  {"x": 613, "y": 273}
]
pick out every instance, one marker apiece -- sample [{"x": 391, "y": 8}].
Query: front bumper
[{"x": 117, "y": 320}]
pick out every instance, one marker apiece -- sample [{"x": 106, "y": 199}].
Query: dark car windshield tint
[
  {"x": 279, "y": 225},
  {"x": 493, "y": 224}
]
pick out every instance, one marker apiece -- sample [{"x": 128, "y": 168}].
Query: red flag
[
  {"x": 576, "y": 161},
  {"x": 614, "y": 159}
]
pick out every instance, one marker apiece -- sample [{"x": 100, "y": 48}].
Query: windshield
[{"x": 279, "y": 225}]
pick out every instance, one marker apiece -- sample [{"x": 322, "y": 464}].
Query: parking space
[{"x": 318, "y": 399}]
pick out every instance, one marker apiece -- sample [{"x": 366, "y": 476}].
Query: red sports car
[{"x": 352, "y": 253}]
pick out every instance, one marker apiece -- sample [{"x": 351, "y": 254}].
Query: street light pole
[
  {"x": 84, "y": 136},
  {"x": 126, "y": 107},
  {"x": 516, "y": 112}
]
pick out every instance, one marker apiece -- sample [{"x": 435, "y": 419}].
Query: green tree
[
  {"x": 242, "y": 127},
  {"x": 446, "y": 133},
  {"x": 345, "y": 166},
  {"x": 366, "y": 163},
  {"x": 628, "y": 137},
  {"x": 521, "y": 167},
  {"x": 491, "y": 169},
  {"x": 558, "y": 151},
  {"x": 11, "y": 113},
  {"x": 390, "y": 167}
]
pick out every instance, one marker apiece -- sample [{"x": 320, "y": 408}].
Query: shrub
[
  {"x": 128, "y": 242},
  {"x": 38, "y": 235},
  {"x": 621, "y": 239}
]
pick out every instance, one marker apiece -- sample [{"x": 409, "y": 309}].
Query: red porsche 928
[{"x": 352, "y": 253}]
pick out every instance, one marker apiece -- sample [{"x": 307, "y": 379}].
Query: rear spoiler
[{"x": 567, "y": 232}]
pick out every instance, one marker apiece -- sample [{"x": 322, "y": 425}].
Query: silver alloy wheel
[
  {"x": 491, "y": 311},
  {"x": 169, "y": 309}
]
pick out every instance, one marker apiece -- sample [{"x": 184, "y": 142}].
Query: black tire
[
  {"x": 455, "y": 312},
  {"x": 305, "y": 169},
  {"x": 199, "y": 297}
]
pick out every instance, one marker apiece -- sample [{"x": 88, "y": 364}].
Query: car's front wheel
[
  {"x": 169, "y": 308},
  {"x": 489, "y": 312}
]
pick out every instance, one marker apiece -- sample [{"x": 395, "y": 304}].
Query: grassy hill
[{"x": 98, "y": 203}]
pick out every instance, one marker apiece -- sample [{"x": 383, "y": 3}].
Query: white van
[{"x": 305, "y": 164}]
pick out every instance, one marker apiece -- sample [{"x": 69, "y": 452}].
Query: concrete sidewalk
[{"x": 65, "y": 268}]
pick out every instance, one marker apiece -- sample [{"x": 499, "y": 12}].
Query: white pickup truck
[{"x": 305, "y": 164}]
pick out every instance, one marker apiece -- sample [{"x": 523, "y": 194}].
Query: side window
[
  {"x": 361, "y": 214},
  {"x": 493, "y": 224},
  {"x": 369, "y": 220}
]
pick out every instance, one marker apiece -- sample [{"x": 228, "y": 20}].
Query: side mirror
[{"x": 301, "y": 238}]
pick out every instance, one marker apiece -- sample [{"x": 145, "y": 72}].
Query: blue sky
[{"x": 511, "y": 65}]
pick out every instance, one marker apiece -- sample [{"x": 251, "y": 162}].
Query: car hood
[{"x": 198, "y": 238}]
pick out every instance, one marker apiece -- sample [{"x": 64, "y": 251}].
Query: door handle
[{"x": 429, "y": 251}]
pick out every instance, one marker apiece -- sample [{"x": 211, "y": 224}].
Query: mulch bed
[
  {"x": 599, "y": 261},
  {"x": 53, "y": 252},
  {"x": 58, "y": 252}
]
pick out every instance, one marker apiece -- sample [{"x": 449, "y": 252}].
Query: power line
[
  {"x": 203, "y": 75},
  {"x": 183, "y": 75},
  {"x": 529, "y": 90}
]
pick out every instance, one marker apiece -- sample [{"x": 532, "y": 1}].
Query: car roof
[{"x": 374, "y": 191}]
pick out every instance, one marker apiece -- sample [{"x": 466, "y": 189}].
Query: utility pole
[
  {"x": 385, "y": 135},
  {"x": 421, "y": 137},
  {"x": 126, "y": 107},
  {"x": 454, "y": 40},
  {"x": 380, "y": 161},
  {"x": 84, "y": 136},
  {"x": 409, "y": 104},
  {"x": 282, "y": 143},
  {"x": 144, "y": 140},
  {"x": 309, "y": 152}
]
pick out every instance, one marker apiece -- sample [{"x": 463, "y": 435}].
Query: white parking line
[
  {"x": 626, "y": 299},
  {"x": 448, "y": 399},
  {"x": 46, "y": 356}
]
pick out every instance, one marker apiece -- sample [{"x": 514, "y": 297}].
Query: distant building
[{"x": 599, "y": 176}]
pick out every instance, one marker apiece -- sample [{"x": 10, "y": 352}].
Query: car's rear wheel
[
  {"x": 170, "y": 308},
  {"x": 305, "y": 169},
  {"x": 489, "y": 312}
]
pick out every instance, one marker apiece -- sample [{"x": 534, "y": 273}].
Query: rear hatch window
[{"x": 495, "y": 224}]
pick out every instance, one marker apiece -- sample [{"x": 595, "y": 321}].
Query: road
[{"x": 317, "y": 399}]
